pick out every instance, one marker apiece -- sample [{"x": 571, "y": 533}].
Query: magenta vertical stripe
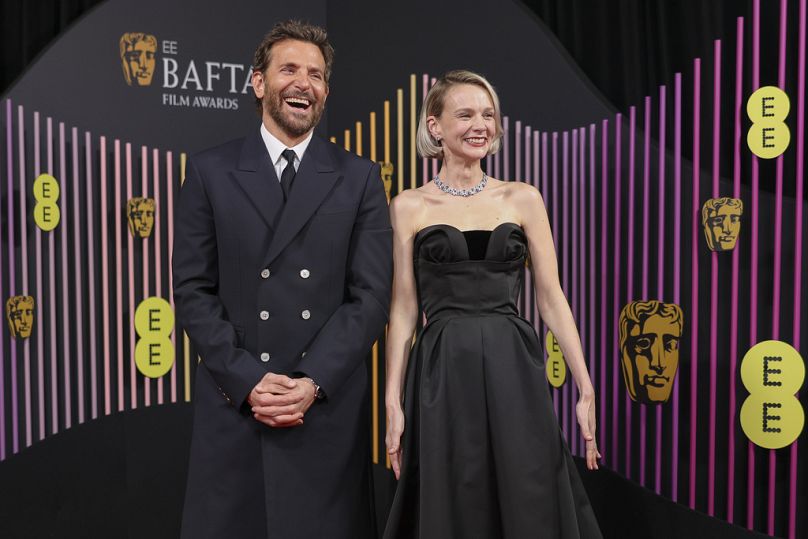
[
  {"x": 646, "y": 232},
  {"x": 604, "y": 197},
  {"x": 40, "y": 297},
  {"x": 798, "y": 277},
  {"x": 144, "y": 243},
  {"x": 591, "y": 290},
  {"x": 545, "y": 167},
  {"x": 526, "y": 178},
  {"x": 537, "y": 185},
  {"x": 15, "y": 442},
  {"x": 77, "y": 214},
  {"x": 92, "y": 320},
  {"x": 554, "y": 194},
  {"x": 632, "y": 124},
  {"x": 158, "y": 270},
  {"x": 131, "y": 266},
  {"x": 753, "y": 274},
  {"x": 582, "y": 270},
  {"x": 570, "y": 244},
  {"x": 506, "y": 144},
  {"x": 518, "y": 151},
  {"x": 618, "y": 175},
  {"x": 65, "y": 284},
  {"x": 105, "y": 285},
  {"x": 118, "y": 206},
  {"x": 694, "y": 299},
  {"x": 778, "y": 252},
  {"x": 170, "y": 225},
  {"x": 51, "y": 246},
  {"x": 565, "y": 243},
  {"x": 660, "y": 272},
  {"x": 733, "y": 331},
  {"x": 714, "y": 283},
  {"x": 12, "y": 345},
  {"x": 677, "y": 263}
]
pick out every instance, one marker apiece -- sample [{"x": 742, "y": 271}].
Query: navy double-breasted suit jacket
[{"x": 300, "y": 287}]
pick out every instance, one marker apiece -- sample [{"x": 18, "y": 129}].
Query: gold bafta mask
[
  {"x": 721, "y": 218},
  {"x": 140, "y": 213},
  {"x": 387, "y": 178},
  {"x": 650, "y": 332},
  {"x": 138, "y": 58},
  {"x": 20, "y": 316}
]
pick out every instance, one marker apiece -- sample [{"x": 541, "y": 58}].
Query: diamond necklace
[{"x": 462, "y": 192}]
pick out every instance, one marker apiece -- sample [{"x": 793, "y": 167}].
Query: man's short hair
[{"x": 300, "y": 31}]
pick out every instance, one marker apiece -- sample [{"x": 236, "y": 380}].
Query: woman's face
[{"x": 467, "y": 125}]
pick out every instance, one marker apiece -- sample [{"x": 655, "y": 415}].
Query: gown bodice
[{"x": 461, "y": 274}]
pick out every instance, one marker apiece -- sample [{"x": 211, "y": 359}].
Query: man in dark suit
[{"x": 282, "y": 272}]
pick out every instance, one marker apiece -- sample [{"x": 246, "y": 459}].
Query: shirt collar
[{"x": 275, "y": 147}]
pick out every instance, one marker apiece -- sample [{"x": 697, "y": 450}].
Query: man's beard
[{"x": 292, "y": 125}]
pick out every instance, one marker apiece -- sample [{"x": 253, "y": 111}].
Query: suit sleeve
[
  {"x": 343, "y": 343},
  {"x": 196, "y": 283}
]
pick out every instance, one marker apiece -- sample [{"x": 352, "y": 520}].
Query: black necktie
[{"x": 288, "y": 174}]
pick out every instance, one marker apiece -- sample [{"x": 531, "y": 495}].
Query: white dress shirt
[{"x": 275, "y": 148}]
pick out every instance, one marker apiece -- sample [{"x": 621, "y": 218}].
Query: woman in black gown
[{"x": 476, "y": 445}]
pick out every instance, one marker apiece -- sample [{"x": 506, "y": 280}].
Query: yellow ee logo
[
  {"x": 154, "y": 322},
  {"x": 771, "y": 416},
  {"x": 46, "y": 211},
  {"x": 768, "y": 108},
  {"x": 556, "y": 367}
]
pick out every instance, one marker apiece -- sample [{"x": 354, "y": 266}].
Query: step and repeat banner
[{"x": 678, "y": 250}]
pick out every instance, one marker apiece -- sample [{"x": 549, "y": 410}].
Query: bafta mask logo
[
  {"x": 138, "y": 58},
  {"x": 387, "y": 178},
  {"x": 650, "y": 332},
  {"x": 20, "y": 315},
  {"x": 140, "y": 213},
  {"x": 721, "y": 218}
]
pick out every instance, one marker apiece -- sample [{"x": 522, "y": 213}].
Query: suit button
[
  {"x": 303, "y": 355},
  {"x": 304, "y": 273},
  {"x": 264, "y": 357},
  {"x": 265, "y": 273},
  {"x": 264, "y": 315},
  {"x": 305, "y": 315}
]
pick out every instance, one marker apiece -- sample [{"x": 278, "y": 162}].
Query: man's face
[
  {"x": 141, "y": 216},
  {"x": 650, "y": 359},
  {"x": 140, "y": 59},
  {"x": 21, "y": 316},
  {"x": 723, "y": 227},
  {"x": 293, "y": 89}
]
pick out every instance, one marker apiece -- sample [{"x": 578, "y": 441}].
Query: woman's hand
[
  {"x": 585, "y": 409},
  {"x": 395, "y": 427}
]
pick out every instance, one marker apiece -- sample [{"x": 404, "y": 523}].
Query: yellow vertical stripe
[
  {"x": 373, "y": 136},
  {"x": 386, "y": 131},
  {"x": 400, "y": 138},
  {"x": 347, "y": 143},
  {"x": 359, "y": 139},
  {"x": 413, "y": 181}
]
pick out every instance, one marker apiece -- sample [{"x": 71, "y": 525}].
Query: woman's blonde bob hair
[{"x": 433, "y": 106}]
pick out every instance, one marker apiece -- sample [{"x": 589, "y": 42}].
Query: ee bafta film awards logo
[{"x": 138, "y": 58}]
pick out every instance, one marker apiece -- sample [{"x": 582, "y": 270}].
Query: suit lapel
[
  {"x": 256, "y": 177},
  {"x": 315, "y": 178}
]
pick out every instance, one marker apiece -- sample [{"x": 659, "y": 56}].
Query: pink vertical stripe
[
  {"x": 799, "y": 179},
  {"x": 131, "y": 266},
  {"x": 158, "y": 270},
  {"x": 170, "y": 224},
  {"x": 660, "y": 272},
  {"x": 424, "y": 160},
  {"x": 582, "y": 271},
  {"x": 632, "y": 123},
  {"x": 77, "y": 214},
  {"x": 733, "y": 331},
  {"x": 591, "y": 290},
  {"x": 518, "y": 151},
  {"x": 677, "y": 263},
  {"x": 555, "y": 212},
  {"x": 714, "y": 283},
  {"x": 506, "y": 154},
  {"x": 778, "y": 252},
  {"x": 565, "y": 266},
  {"x": 618, "y": 175},
  {"x": 753, "y": 277},
  {"x": 91, "y": 247},
  {"x": 604, "y": 197},
  {"x": 40, "y": 297},
  {"x": 694, "y": 276},
  {"x": 15, "y": 403},
  {"x": 144, "y": 243},
  {"x": 105, "y": 314},
  {"x": 646, "y": 232},
  {"x": 65, "y": 284},
  {"x": 51, "y": 279},
  {"x": 571, "y": 243},
  {"x": 118, "y": 210},
  {"x": 10, "y": 212}
]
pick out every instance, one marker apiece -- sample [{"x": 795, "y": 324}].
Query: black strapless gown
[{"x": 483, "y": 456}]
